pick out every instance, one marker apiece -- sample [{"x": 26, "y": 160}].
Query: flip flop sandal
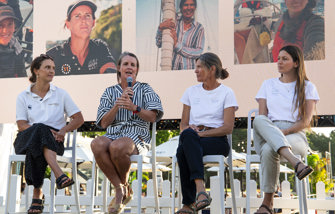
[
  {"x": 203, "y": 203},
  {"x": 304, "y": 172},
  {"x": 267, "y": 208},
  {"x": 63, "y": 181}
]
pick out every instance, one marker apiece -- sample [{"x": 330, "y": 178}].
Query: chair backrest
[{"x": 250, "y": 146}]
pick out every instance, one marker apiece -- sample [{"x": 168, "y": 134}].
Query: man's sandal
[
  {"x": 39, "y": 208},
  {"x": 63, "y": 181},
  {"x": 199, "y": 205},
  {"x": 304, "y": 172},
  {"x": 270, "y": 211}
]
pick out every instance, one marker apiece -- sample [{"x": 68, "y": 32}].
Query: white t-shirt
[
  {"x": 279, "y": 98},
  {"x": 207, "y": 106},
  {"x": 52, "y": 110}
]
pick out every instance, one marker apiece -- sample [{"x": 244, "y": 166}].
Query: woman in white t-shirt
[
  {"x": 286, "y": 107},
  {"x": 208, "y": 116},
  {"x": 41, "y": 112}
]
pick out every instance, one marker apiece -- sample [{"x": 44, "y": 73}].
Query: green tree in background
[
  {"x": 320, "y": 143},
  {"x": 109, "y": 28},
  {"x": 320, "y": 172}
]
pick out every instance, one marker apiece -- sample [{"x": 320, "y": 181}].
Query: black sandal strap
[
  {"x": 37, "y": 201},
  {"x": 267, "y": 208},
  {"x": 60, "y": 178},
  {"x": 296, "y": 166}
]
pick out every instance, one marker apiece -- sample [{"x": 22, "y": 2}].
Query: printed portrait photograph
[
  {"x": 86, "y": 36},
  {"x": 171, "y": 34},
  {"x": 16, "y": 37},
  {"x": 263, "y": 27}
]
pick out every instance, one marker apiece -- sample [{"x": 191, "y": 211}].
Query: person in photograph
[
  {"x": 41, "y": 112},
  {"x": 203, "y": 132},
  {"x": 126, "y": 113},
  {"x": 14, "y": 4},
  {"x": 80, "y": 54},
  {"x": 286, "y": 107},
  {"x": 11, "y": 52},
  {"x": 299, "y": 26},
  {"x": 188, "y": 36}
]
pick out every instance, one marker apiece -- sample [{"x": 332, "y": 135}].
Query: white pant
[{"x": 268, "y": 139}]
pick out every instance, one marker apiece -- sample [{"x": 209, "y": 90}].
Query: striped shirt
[
  {"x": 127, "y": 124},
  {"x": 190, "y": 44}
]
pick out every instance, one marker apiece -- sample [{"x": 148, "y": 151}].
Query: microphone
[{"x": 129, "y": 81}]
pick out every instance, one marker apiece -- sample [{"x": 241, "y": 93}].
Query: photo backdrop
[{"x": 244, "y": 79}]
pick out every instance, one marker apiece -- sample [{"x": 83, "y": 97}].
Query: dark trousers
[
  {"x": 31, "y": 142},
  {"x": 190, "y": 151}
]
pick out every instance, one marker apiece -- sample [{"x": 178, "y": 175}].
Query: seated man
[{"x": 11, "y": 54}]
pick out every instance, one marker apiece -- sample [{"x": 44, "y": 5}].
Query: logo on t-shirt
[
  {"x": 92, "y": 64},
  {"x": 66, "y": 68}
]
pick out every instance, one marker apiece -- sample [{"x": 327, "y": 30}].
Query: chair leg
[
  {"x": 139, "y": 178},
  {"x": 93, "y": 185},
  {"x": 75, "y": 186},
  {"x": 174, "y": 184},
  {"x": 8, "y": 186},
  {"x": 52, "y": 193},
  {"x": 105, "y": 191},
  {"x": 222, "y": 184}
]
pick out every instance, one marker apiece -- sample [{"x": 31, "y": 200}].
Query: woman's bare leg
[
  {"x": 111, "y": 156},
  {"x": 51, "y": 158}
]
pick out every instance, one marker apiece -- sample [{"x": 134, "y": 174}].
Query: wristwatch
[{"x": 138, "y": 110}]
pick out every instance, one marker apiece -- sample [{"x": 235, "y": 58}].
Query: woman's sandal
[
  {"x": 63, "y": 181},
  {"x": 39, "y": 208},
  {"x": 304, "y": 172},
  {"x": 117, "y": 208},
  {"x": 266, "y": 207},
  {"x": 129, "y": 194},
  {"x": 183, "y": 211},
  {"x": 203, "y": 203}
]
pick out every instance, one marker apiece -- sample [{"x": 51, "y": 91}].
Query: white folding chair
[
  {"x": 139, "y": 159},
  {"x": 252, "y": 157},
  {"x": 219, "y": 159},
  {"x": 72, "y": 160}
]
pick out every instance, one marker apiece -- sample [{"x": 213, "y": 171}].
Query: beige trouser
[{"x": 268, "y": 139}]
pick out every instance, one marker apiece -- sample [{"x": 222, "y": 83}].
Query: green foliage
[
  {"x": 239, "y": 136},
  {"x": 145, "y": 178},
  {"x": 109, "y": 28},
  {"x": 164, "y": 135},
  {"x": 320, "y": 172},
  {"x": 47, "y": 173},
  {"x": 320, "y": 143},
  {"x": 92, "y": 134}
]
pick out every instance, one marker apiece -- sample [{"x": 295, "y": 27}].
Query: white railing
[{"x": 65, "y": 203}]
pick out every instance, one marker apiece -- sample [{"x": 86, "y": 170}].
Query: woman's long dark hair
[{"x": 298, "y": 57}]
